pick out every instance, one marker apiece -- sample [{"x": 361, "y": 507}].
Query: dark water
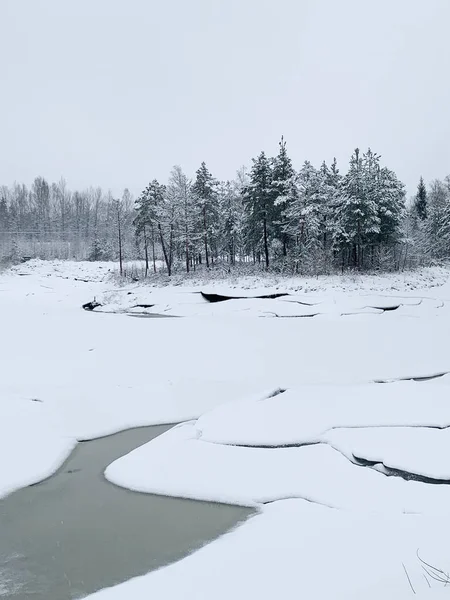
[{"x": 75, "y": 533}]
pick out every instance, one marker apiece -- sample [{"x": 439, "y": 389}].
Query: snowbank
[
  {"x": 418, "y": 451},
  {"x": 303, "y": 414},
  {"x": 295, "y": 549},
  {"x": 179, "y": 464},
  {"x": 32, "y": 443}
]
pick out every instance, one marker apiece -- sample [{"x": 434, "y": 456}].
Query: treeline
[
  {"x": 310, "y": 221},
  {"x": 306, "y": 221},
  {"x": 50, "y": 221}
]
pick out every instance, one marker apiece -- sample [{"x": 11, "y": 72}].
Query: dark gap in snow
[
  {"x": 142, "y": 306},
  {"x": 91, "y": 305},
  {"x": 406, "y": 475},
  {"x": 151, "y": 316},
  {"x": 361, "y": 312},
  {"x": 223, "y": 298},
  {"x": 275, "y": 392},
  {"x": 387, "y": 426},
  {"x": 294, "y": 316},
  {"x": 428, "y": 377},
  {"x": 304, "y": 303},
  {"x": 413, "y": 378},
  {"x": 276, "y": 446},
  {"x": 386, "y": 308},
  {"x": 310, "y": 500}
]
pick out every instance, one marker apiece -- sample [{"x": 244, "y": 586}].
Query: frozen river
[{"x": 75, "y": 533}]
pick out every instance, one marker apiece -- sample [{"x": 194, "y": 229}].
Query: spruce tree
[
  {"x": 305, "y": 216},
  {"x": 205, "y": 190},
  {"x": 437, "y": 230},
  {"x": 145, "y": 221},
  {"x": 391, "y": 207},
  {"x": 283, "y": 174},
  {"x": 421, "y": 202},
  {"x": 358, "y": 213},
  {"x": 258, "y": 199}
]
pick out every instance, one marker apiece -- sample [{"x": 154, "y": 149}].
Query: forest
[{"x": 309, "y": 221}]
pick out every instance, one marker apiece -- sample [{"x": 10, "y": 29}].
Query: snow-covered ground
[{"x": 327, "y": 462}]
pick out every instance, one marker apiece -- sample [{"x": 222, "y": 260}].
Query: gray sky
[{"x": 115, "y": 92}]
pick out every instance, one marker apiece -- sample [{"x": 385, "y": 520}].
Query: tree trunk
[
  {"x": 153, "y": 250},
  {"x": 146, "y": 251},
  {"x": 186, "y": 232},
  {"x": 205, "y": 237},
  {"x": 171, "y": 246},
  {"x": 266, "y": 245},
  {"x": 164, "y": 249},
  {"x": 120, "y": 242},
  {"x": 187, "y": 248}
]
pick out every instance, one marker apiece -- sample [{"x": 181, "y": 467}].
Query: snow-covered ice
[
  {"x": 32, "y": 442},
  {"x": 69, "y": 375},
  {"x": 179, "y": 464},
  {"x": 296, "y": 549},
  {"x": 420, "y": 451},
  {"x": 303, "y": 414}
]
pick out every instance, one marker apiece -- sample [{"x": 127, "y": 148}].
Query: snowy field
[{"x": 327, "y": 409}]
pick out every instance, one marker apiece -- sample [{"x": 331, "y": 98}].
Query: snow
[
  {"x": 69, "y": 375},
  {"x": 31, "y": 444},
  {"x": 188, "y": 302},
  {"x": 302, "y": 415},
  {"x": 178, "y": 463},
  {"x": 419, "y": 451},
  {"x": 91, "y": 374},
  {"x": 296, "y": 549}
]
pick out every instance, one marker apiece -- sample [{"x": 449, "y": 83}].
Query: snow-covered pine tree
[
  {"x": 96, "y": 250},
  {"x": 205, "y": 190},
  {"x": 358, "y": 215},
  {"x": 305, "y": 217},
  {"x": 391, "y": 212},
  {"x": 258, "y": 201},
  {"x": 437, "y": 225},
  {"x": 231, "y": 211},
  {"x": 283, "y": 175},
  {"x": 420, "y": 203},
  {"x": 328, "y": 192},
  {"x": 445, "y": 226},
  {"x": 145, "y": 220}
]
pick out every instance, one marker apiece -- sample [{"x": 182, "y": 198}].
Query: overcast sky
[{"x": 115, "y": 92}]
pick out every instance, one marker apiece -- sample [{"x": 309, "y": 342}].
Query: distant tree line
[
  {"x": 50, "y": 221},
  {"x": 310, "y": 221}
]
